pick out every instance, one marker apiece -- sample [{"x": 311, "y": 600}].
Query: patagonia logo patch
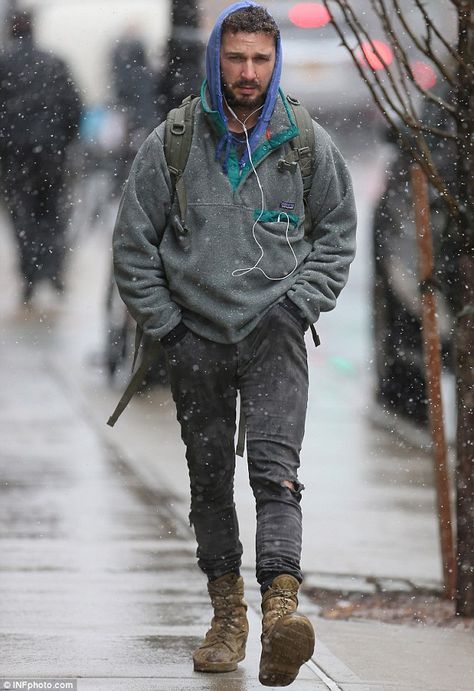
[{"x": 288, "y": 206}]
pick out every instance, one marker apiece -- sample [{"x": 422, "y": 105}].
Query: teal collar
[
  {"x": 213, "y": 115},
  {"x": 281, "y": 129}
]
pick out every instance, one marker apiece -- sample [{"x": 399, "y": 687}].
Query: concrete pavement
[{"x": 98, "y": 576}]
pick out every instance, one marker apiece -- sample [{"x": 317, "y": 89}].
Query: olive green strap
[
  {"x": 304, "y": 143},
  {"x": 177, "y": 144},
  {"x": 304, "y": 146},
  {"x": 150, "y": 353}
]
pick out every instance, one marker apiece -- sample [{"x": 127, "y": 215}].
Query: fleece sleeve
[
  {"x": 333, "y": 217},
  {"x": 142, "y": 218}
]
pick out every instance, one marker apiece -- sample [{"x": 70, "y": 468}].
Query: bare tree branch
[
  {"x": 360, "y": 33},
  {"x": 402, "y": 61},
  {"x": 430, "y": 96},
  {"x": 436, "y": 131},
  {"x": 357, "y": 64},
  {"x": 457, "y": 3},
  {"x": 403, "y": 58},
  {"x": 408, "y": 116},
  {"x": 420, "y": 152},
  {"x": 426, "y": 49},
  {"x": 432, "y": 27}
]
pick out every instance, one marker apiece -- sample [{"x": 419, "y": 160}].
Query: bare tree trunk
[
  {"x": 465, "y": 431},
  {"x": 465, "y": 324},
  {"x": 432, "y": 353},
  {"x": 456, "y": 65}
]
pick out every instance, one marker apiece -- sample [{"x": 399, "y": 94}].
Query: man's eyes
[{"x": 237, "y": 58}]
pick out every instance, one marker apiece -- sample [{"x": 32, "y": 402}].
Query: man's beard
[{"x": 246, "y": 102}]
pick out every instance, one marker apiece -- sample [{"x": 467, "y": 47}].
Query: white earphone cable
[{"x": 242, "y": 272}]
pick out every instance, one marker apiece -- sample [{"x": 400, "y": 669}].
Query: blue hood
[{"x": 213, "y": 73}]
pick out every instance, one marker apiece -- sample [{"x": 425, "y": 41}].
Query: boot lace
[
  {"x": 285, "y": 601},
  {"x": 224, "y": 620}
]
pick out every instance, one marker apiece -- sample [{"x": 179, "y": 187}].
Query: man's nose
[{"x": 248, "y": 70}]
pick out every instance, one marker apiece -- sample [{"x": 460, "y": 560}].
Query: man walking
[
  {"x": 229, "y": 288},
  {"x": 39, "y": 117}
]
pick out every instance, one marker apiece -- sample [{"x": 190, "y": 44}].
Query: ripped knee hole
[{"x": 293, "y": 485}]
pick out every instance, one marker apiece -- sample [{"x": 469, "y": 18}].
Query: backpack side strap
[
  {"x": 304, "y": 151},
  {"x": 304, "y": 144},
  {"x": 150, "y": 353},
  {"x": 177, "y": 144}
]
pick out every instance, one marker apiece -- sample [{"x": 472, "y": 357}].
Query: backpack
[
  {"x": 177, "y": 145},
  {"x": 179, "y": 134}
]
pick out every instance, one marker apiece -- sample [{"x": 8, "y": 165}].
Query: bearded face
[{"x": 247, "y": 63}]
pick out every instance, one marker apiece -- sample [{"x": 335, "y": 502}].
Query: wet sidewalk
[{"x": 98, "y": 576}]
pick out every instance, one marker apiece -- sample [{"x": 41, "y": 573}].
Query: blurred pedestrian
[
  {"x": 39, "y": 117},
  {"x": 134, "y": 87},
  {"x": 399, "y": 363},
  {"x": 229, "y": 288}
]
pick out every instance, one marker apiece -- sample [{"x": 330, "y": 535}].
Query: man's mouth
[{"x": 247, "y": 88}]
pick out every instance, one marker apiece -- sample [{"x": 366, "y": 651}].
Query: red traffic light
[
  {"x": 376, "y": 54},
  {"x": 309, "y": 15},
  {"x": 423, "y": 74}
]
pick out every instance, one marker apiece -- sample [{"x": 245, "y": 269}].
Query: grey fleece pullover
[{"x": 166, "y": 276}]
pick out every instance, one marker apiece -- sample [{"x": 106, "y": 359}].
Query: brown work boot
[
  {"x": 224, "y": 644},
  {"x": 287, "y": 637}
]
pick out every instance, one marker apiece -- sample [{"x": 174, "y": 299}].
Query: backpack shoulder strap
[
  {"x": 177, "y": 144},
  {"x": 304, "y": 144}
]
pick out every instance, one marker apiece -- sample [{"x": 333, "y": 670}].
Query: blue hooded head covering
[{"x": 214, "y": 84}]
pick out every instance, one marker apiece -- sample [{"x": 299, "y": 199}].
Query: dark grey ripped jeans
[{"x": 269, "y": 368}]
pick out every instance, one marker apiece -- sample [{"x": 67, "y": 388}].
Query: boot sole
[
  {"x": 291, "y": 645},
  {"x": 217, "y": 667}
]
